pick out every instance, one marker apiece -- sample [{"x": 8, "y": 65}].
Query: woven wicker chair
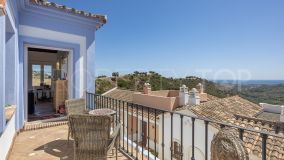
[
  {"x": 75, "y": 106},
  {"x": 92, "y": 136}
]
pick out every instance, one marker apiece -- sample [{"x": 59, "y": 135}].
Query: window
[
  {"x": 36, "y": 74},
  {"x": 41, "y": 74},
  {"x": 176, "y": 150},
  {"x": 47, "y": 74}
]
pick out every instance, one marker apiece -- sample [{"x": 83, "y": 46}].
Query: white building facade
[{"x": 176, "y": 140}]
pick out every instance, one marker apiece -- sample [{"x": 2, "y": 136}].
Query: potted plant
[{"x": 9, "y": 111}]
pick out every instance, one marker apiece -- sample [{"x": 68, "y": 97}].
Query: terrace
[{"x": 37, "y": 144}]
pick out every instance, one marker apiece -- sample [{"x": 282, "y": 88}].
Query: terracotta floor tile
[{"x": 46, "y": 144}]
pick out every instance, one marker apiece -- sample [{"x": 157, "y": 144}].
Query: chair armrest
[
  {"x": 113, "y": 136},
  {"x": 115, "y": 131}
]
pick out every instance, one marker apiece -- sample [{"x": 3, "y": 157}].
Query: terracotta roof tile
[
  {"x": 224, "y": 109},
  {"x": 238, "y": 111},
  {"x": 253, "y": 141},
  {"x": 211, "y": 98},
  {"x": 124, "y": 95}
]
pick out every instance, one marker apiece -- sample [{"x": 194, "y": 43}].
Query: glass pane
[
  {"x": 47, "y": 74},
  {"x": 35, "y": 75}
]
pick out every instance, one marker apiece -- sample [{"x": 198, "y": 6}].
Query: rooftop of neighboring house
[
  {"x": 211, "y": 98},
  {"x": 269, "y": 115},
  {"x": 120, "y": 94},
  {"x": 224, "y": 109},
  {"x": 253, "y": 141},
  {"x": 127, "y": 95},
  {"x": 241, "y": 112},
  {"x": 163, "y": 93},
  {"x": 271, "y": 112}
]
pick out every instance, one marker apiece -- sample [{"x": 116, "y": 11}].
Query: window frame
[
  {"x": 176, "y": 150},
  {"x": 42, "y": 71}
]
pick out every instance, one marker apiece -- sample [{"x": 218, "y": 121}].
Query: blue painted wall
[
  {"x": 10, "y": 75},
  {"x": 13, "y": 44},
  {"x": 50, "y": 43},
  {"x": 2, "y": 72},
  {"x": 59, "y": 21}
]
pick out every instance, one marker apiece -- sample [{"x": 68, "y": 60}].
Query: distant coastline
[{"x": 250, "y": 82}]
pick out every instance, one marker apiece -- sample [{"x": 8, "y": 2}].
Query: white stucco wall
[
  {"x": 134, "y": 136},
  {"x": 187, "y": 137},
  {"x": 271, "y": 108}
]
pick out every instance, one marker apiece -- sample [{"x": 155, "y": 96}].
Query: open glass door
[{"x": 47, "y": 83}]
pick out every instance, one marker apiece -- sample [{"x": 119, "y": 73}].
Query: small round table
[{"x": 102, "y": 112}]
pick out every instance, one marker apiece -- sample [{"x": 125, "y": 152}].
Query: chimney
[
  {"x": 194, "y": 98},
  {"x": 200, "y": 88},
  {"x": 282, "y": 114},
  {"x": 147, "y": 88},
  {"x": 183, "y": 95}
]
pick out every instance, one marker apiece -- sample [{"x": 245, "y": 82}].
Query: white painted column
[
  {"x": 90, "y": 69},
  {"x": 19, "y": 121},
  {"x": 2, "y": 73}
]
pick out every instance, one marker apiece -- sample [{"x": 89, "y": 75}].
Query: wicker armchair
[
  {"x": 92, "y": 136},
  {"x": 75, "y": 106}
]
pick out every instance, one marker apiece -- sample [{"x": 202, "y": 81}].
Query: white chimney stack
[
  {"x": 282, "y": 114},
  {"x": 194, "y": 98},
  {"x": 147, "y": 88},
  {"x": 200, "y": 88},
  {"x": 183, "y": 95}
]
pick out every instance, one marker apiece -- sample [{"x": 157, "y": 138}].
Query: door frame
[{"x": 26, "y": 63}]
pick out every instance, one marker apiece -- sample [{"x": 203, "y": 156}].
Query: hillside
[
  {"x": 136, "y": 80},
  {"x": 104, "y": 84},
  {"x": 257, "y": 93},
  {"x": 273, "y": 94}
]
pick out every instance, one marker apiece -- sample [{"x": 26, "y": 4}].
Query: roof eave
[{"x": 100, "y": 19}]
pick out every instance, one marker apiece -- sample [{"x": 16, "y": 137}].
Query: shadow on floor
[
  {"x": 59, "y": 148},
  {"x": 64, "y": 149}
]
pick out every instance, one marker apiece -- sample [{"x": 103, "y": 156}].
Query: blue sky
[{"x": 214, "y": 39}]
